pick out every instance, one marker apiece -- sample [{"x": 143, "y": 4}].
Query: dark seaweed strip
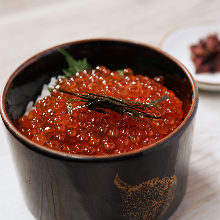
[{"x": 101, "y": 103}]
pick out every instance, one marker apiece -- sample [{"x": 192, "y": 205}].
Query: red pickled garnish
[{"x": 206, "y": 54}]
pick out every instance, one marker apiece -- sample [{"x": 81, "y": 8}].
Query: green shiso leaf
[
  {"x": 50, "y": 89},
  {"x": 74, "y": 66},
  {"x": 67, "y": 73},
  {"x": 121, "y": 72}
]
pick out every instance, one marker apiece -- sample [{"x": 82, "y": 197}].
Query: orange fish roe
[{"x": 89, "y": 132}]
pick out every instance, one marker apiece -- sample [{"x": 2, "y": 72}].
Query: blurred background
[{"x": 14, "y": 6}]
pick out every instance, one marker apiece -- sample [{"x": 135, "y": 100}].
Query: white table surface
[{"x": 24, "y": 34}]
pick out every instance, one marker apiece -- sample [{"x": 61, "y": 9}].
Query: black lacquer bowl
[{"x": 144, "y": 184}]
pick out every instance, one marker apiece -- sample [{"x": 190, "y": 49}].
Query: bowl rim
[{"x": 78, "y": 157}]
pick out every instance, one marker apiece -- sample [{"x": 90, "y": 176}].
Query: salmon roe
[{"x": 91, "y": 133}]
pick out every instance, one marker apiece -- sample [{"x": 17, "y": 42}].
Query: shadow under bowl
[{"x": 144, "y": 184}]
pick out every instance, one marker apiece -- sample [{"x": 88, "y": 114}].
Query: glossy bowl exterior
[{"x": 145, "y": 184}]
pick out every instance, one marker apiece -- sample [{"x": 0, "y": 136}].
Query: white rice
[{"x": 44, "y": 92}]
